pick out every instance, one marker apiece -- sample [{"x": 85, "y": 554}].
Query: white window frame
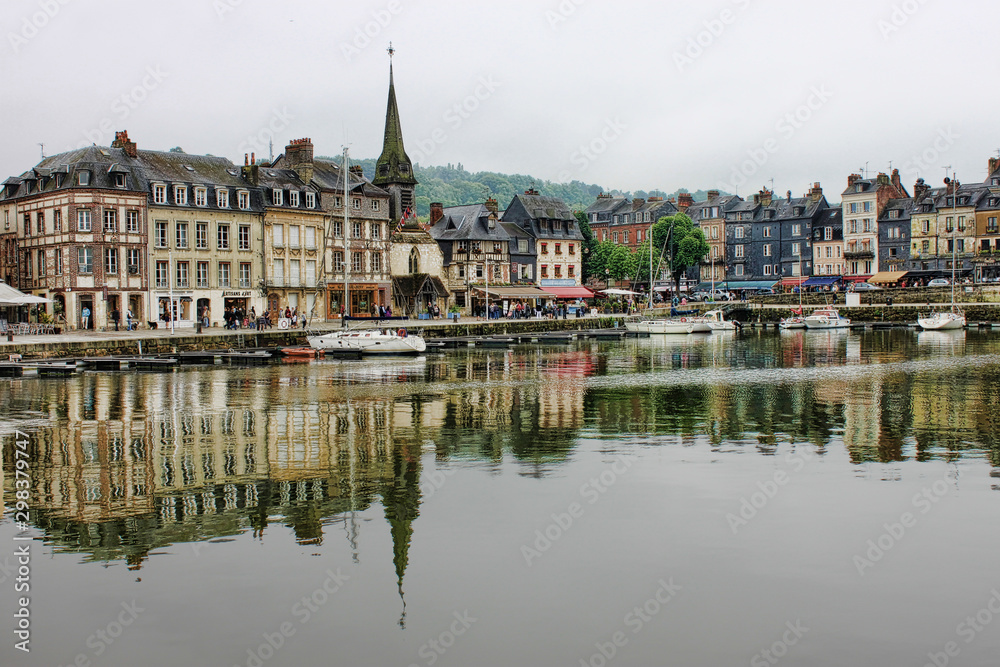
[
  {"x": 159, "y": 193},
  {"x": 222, "y": 198},
  {"x": 180, "y": 195}
]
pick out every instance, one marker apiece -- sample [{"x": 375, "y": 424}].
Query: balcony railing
[{"x": 859, "y": 254}]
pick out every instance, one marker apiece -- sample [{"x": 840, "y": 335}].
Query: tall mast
[{"x": 347, "y": 259}]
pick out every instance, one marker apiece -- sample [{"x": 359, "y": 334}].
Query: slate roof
[
  {"x": 540, "y": 207},
  {"x": 469, "y": 222},
  {"x": 904, "y": 206},
  {"x": 606, "y": 205}
]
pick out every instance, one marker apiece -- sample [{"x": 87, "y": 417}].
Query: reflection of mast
[
  {"x": 401, "y": 503},
  {"x": 352, "y": 476}
]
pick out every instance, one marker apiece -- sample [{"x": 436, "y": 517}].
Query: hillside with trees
[{"x": 452, "y": 185}]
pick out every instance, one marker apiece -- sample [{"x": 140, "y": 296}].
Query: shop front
[
  {"x": 363, "y": 299},
  {"x": 175, "y": 310},
  {"x": 531, "y": 298},
  {"x": 573, "y": 298}
]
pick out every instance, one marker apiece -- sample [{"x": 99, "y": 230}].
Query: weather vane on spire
[{"x": 390, "y": 50}]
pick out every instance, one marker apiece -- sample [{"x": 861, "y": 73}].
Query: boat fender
[
  {"x": 401, "y": 333},
  {"x": 684, "y": 319}
]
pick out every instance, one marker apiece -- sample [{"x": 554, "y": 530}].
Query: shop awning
[
  {"x": 13, "y": 297},
  {"x": 821, "y": 281},
  {"x": 792, "y": 282},
  {"x": 571, "y": 292},
  {"x": 884, "y": 277},
  {"x": 614, "y": 291},
  {"x": 515, "y": 292}
]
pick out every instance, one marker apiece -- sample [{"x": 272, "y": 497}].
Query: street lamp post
[{"x": 607, "y": 278}]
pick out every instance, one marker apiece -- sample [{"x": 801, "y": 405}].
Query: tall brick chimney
[
  {"x": 920, "y": 189},
  {"x": 122, "y": 141},
  {"x": 883, "y": 179},
  {"x": 993, "y": 165},
  {"x": 712, "y": 194},
  {"x": 816, "y": 192},
  {"x": 492, "y": 205},
  {"x": 357, "y": 170},
  {"x": 684, "y": 200},
  {"x": 638, "y": 203},
  {"x": 299, "y": 153},
  {"x": 437, "y": 212},
  {"x": 852, "y": 179}
]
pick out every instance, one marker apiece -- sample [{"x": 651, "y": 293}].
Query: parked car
[
  {"x": 865, "y": 287},
  {"x": 939, "y": 282}
]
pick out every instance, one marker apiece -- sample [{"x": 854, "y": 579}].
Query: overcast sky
[{"x": 629, "y": 95}]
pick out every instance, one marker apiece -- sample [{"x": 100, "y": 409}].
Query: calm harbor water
[{"x": 808, "y": 498}]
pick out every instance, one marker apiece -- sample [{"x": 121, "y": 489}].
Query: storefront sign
[
  {"x": 239, "y": 295},
  {"x": 558, "y": 282}
]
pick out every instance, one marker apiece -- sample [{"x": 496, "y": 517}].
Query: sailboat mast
[
  {"x": 954, "y": 240},
  {"x": 347, "y": 258}
]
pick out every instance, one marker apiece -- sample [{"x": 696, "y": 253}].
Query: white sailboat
[{"x": 945, "y": 320}]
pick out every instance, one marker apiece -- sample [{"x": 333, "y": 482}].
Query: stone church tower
[{"x": 394, "y": 171}]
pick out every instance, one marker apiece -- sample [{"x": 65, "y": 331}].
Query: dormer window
[
  {"x": 995, "y": 181},
  {"x": 375, "y": 205},
  {"x": 310, "y": 200},
  {"x": 859, "y": 187},
  {"x": 83, "y": 178},
  {"x": 798, "y": 210},
  {"x": 119, "y": 180},
  {"x": 222, "y": 198},
  {"x": 293, "y": 198},
  {"x": 180, "y": 195},
  {"x": 201, "y": 196},
  {"x": 894, "y": 213},
  {"x": 243, "y": 199},
  {"x": 159, "y": 194},
  {"x": 277, "y": 196},
  {"x": 404, "y": 169}
]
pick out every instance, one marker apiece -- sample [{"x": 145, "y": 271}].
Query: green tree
[
  {"x": 589, "y": 244},
  {"x": 621, "y": 262},
  {"x": 686, "y": 246},
  {"x": 599, "y": 259}
]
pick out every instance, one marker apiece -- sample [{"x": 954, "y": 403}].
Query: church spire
[{"x": 394, "y": 166}]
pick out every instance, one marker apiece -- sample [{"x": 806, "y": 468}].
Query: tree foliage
[{"x": 682, "y": 242}]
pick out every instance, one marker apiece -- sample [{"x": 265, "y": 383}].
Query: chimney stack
[
  {"x": 122, "y": 141},
  {"x": 638, "y": 203},
  {"x": 437, "y": 212},
  {"x": 652, "y": 199},
  {"x": 712, "y": 194},
  {"x": 920, "y": 189},
  {"x": 852, "y": 179},
  {"x": 883, "y": 179},
  {"x": 357, "y": 170},
  {"x": 993, "y": 165},
  {"x": 789, "y": 195},
  {"x": 816, "y": 192},
  {"x": 492, "y": 205},
  {"x": 299, "y": 154},
  {"x": 684, "y": 201}
]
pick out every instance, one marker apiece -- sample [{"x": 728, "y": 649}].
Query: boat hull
[
  {"x": 942, "y": 322},
  {"x": 369, "y": 342}
]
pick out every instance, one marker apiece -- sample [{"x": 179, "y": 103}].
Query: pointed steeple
[{"x": 394, "y": 166}]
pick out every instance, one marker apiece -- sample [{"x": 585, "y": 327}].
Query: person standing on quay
[
  {"x": 85, "y": 317},
  {"x": 116, "y": 317}
]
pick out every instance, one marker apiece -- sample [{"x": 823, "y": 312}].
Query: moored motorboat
[
  {"x": 794, "y": 322},
  {"x": 370, "y": 341},
  {"x": 826, "y": 318},
  {"x": 716, "y": 320}
]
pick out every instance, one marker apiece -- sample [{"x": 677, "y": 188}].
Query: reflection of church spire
[{"x": 401, "y": 503}]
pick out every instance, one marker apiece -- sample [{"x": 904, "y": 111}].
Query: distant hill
[{"x": 454, "y": 186}]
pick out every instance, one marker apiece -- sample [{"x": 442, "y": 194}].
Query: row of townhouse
[
  {"x": 180, "y": 238},
  {"x": 877, "y": 227}
]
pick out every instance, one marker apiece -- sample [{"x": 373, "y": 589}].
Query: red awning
[
  {"x": 570, "y": 292},
  {"x": 792, "y": 282}
]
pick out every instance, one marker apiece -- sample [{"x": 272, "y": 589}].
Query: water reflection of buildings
[{"x": 138, "y": 461}]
